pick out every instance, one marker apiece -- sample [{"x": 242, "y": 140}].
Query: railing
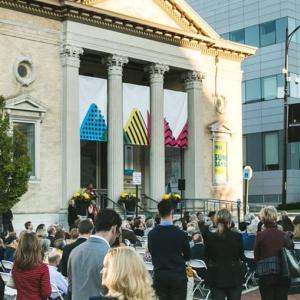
[
  {"x": 149, "y": 202},
  {"x": 206, "y": 205}
]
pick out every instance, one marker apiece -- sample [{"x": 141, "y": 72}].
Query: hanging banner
[
  {"x": 136, "y": 107},
  {"x": 220, "y": 162},
  {"x": 175, "y": 113},
  {"x": 93, "y": 108}
]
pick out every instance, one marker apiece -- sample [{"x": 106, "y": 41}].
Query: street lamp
[{"x": 288, "y": 38}]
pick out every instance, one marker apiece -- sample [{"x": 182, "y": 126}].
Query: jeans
[{"x": 231, "y": 293}]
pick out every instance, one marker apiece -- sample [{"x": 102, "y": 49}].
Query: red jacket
[{"x": 33, "y": 284}]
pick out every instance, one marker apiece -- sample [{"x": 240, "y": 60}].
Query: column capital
[
  {"x": 71, "y": 55},
  {"x": 159, "y": 69},
  {"x": 115, "y": 62},
  {"x": 193, "y": 76}
]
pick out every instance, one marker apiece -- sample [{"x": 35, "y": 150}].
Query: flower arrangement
[
  {"x": 175, "y": 197},
  {"x": 127, "y": 197},
  {"x": 81, "y": 195}
]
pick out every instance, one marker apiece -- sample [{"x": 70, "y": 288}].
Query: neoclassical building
[{"x": 103, "y": 88}]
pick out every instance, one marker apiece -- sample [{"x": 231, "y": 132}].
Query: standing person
[
  {"x": 92, "y": 210},
  {"x": 123, "y": 265},
  {"x": 169, "y": 248},
  {"x": 72, "y": 214},
  {"x": 224, "y": 254},
  {"x": 31, "y": 275},
  {"x": 85, "y": 228},
  {"x": 28, "y": 226},
  {"x": 86, "y": 260},
  {"x": 267, "y": 249},
  {"x": 7, "y": 218}
]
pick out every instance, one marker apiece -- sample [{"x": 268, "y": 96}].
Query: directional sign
[{"x": 137, "y": 178}]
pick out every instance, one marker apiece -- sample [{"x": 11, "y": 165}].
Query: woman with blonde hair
[
  {"x": 125, "y": 276},
  {"x": 224, "y": 254},
  {"x": 31, "y": 275},
  {"x": 268, "y": 246}
]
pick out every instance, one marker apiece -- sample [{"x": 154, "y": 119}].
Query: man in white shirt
[
  {"x": 86, "y": 260},
  {"x": 56, "y": 277}
]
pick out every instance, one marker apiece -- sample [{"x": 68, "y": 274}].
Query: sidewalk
[{"x": 255, "y": 295}]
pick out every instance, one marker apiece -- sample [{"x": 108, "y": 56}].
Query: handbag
[{"x": 290, "y": 267}]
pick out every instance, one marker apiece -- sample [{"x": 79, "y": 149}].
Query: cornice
[{"x": 77, "y": 12}]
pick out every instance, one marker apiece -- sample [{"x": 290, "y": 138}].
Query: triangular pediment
[
  {"x": 176, "y": 14},
  {"x": 219, "y": 127},
  {"x": 25, "y": 103}
]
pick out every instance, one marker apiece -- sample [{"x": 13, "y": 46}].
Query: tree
[{"x": 15, "y": 163}]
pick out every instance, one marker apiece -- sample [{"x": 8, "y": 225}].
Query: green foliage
[{"x": 14, "y": 162}]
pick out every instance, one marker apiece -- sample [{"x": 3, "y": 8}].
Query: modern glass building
[{"x": 262, "y": 24}]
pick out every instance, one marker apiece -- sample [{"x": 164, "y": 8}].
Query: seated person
[
  {"x": 56, "y": 277},
  {"x": 128, "y": 234},
  {"x": 11, "y": 246},
  {"x": 197, "y": 251}
]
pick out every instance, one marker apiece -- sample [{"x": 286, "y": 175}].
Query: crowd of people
[{"x": 96, "y": 259}]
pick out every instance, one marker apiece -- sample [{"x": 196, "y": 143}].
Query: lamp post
[{"x": 288, "y": 38}]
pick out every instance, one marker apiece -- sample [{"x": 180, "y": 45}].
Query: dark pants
[
  {"x": 273, "y": 292},
  {"x": 231, "y": 293},
  {"x": 167, "y": 289}
]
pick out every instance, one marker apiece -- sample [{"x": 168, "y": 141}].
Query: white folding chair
[
  {"x": 10, "y": 293},
  {"x": 54, "y": 289},
  {"x": 250, "y": 273},
  {"x": 199, "y": 264},
  {"x": 297, "y": 245},
  {"x": 5, "y": 277},
  {"x": 7, "y": 265},
  {"x": 149, "y": 266}
]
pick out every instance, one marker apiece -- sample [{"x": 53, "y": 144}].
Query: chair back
[
  {"x": 54, "y": 289},
  {"x": 249, "y": 254},
  {"x": 197, "y": 264},
  {"x": 5, "y": 277},
  {"x": 297, "y": 245},
  {"x": 7, "y": 265},
  {"x": 149, "y": 266}
]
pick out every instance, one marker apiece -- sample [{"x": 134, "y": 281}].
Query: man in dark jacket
[
  {"x": 85, "y": 229},
  {"x": 170, "y": 249}
]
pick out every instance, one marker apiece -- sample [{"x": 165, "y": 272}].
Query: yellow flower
[
  {"x": 124, "y": 195},
  {"x": 176, "y": 196},
  {"x": 166, "y": 197},
  {"x": 76, "y": 195},
  {"x": 86, "y": 196}
]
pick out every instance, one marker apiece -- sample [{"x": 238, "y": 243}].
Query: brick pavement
[{"x": 254, "y": 295}]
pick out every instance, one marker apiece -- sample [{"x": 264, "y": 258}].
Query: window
[
  {"x": 281, "y": 25},
  {"x": 29, "y": 132},
  {"x": 267, "y": 33},
  {"x": 271, "y": 161},
  {"x": 225, "y": 35},
  {"x": 238, "y": 36},
  {"x": 253, "y": 90},
  {"x": 243, "y": 92},
  {"x": 252, "y": 35},
  {"x": 254, "y": 151},
  {"x": 269, "y": 87},
  {"x": 244, "y": 150}
]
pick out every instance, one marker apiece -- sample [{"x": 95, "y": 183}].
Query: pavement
[{"x": 255, "y": 295}]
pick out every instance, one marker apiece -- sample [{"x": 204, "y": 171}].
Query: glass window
[
  {"x": 271, "y": 161},
  {"x": 252, "y": 35},
  {"x": 253, "y": 90},
  {"x": 292, "y": 26},
  {"x": 243, "y": 92},
  {"x": 267, "y": 33},
  {"x": 238, "y": 36},
  {"x": 225, "y": 35},
  {"x": 254, "y": 151},
  {"x": 244, "y": 150},
  {"x": 28, "y": 130},
  {"x": 269, "y": 87},
  {"x": 281, "y": 25}
]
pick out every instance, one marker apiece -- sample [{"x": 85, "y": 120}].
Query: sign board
[
  {"x": 220, "y": 162},
  {"x": 247, "y": 173},
  {"x": 137, "y": 178}
]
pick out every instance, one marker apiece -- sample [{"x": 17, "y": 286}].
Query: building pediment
[
  {"x": 219, "y": 127},
  {"x": 26, "y": 106},
  {"x": 173, "y": 14}
]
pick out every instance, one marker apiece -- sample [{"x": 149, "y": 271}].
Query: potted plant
[
  {"x": 82, "y": 201},
  {"x": 129, "y": 200}
]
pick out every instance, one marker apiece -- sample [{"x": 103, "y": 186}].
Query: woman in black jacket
[{"x": 224, "y": 256}]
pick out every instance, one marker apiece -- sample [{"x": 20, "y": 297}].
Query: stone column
[
  {"x": 70, "y": 56},
  {"x": 115, "y": 149},
  {"x": 193, "y": 156},
  {"x": 157, "y": 142}
]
